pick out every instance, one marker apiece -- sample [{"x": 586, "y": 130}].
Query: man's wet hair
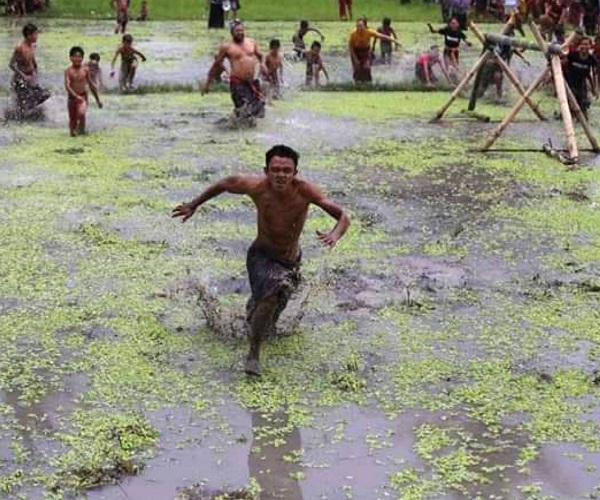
[
  {"x": 315, "y": 45},
  {"x": 434, "y": 47},
  {"x": 127, "y": 39},
  {"x": 274, "y": 43},
  {"x": 283, "y": 152},
  {"x": 76, "y": 51},
  {"x": 386, "y": 21},
  {"x": 234, "y": 24},
  {"x": 304, "y": 24},
  {"x": 94, "y": 56},
  {"x": 29, "y": 29}
]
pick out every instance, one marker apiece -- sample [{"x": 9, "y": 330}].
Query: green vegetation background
[{"x": 257, "y": 10}]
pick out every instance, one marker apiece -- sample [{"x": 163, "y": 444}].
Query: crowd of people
[
  {"x": 22, "y": 7},
  {"x": 236, "y": 60}
]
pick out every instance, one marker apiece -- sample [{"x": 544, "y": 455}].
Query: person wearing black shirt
[
  {"x": 452, "y": 37},
  {"x": 579, "y": 71}
]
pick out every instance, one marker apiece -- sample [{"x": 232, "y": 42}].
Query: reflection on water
[{"x": 266, "y": 461}]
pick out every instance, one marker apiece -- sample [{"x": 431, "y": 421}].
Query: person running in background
[
  {"x": 314, "y": 65},
  {"x": 345, "y": 10},
  {"x": 129, "y": 63},
  {"x": 453, "y": 35},
  {"x": 274, "y": 76},
  {"x": 77, "y": 83},
  {"x": 385, "y": 46},
  {"x": 143, "y": 12},
  {"x": 359, "y": 46},
  {"x": 580, "y": 69},
  {"x": 298, "y": 38},
  {"x": 424, "y": 67},
  {"x": 243, "y": 54},
  {"x": 25, "y": 71},
  {"x": 93, "y": 68},
  {"x": 122, "y": 7}
]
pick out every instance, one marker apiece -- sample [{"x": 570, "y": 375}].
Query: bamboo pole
[
  {"x": 561, "y": 94},
  {"x": 538, "y": 37},
  {"x": 465, "y": 81},
  {"x": 515, "y": 110},
  {"x": 581, "y": 118},
  {"x": 517, "y": 84},
  {"x": 509, "y": 73}
]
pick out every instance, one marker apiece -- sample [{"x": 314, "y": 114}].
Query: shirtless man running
[
  {"x": 273, "y": 262},
  {"x": 24, "y": 81},
  {"x": 243, "y": 54}
]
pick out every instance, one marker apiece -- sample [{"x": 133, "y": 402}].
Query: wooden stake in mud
[
  {"x": 582, "y": 119},
  {"x": 515, "y": 110},
  {"x": 465, "y": 81}
]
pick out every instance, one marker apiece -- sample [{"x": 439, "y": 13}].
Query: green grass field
[{"x": 266, "y": 10}]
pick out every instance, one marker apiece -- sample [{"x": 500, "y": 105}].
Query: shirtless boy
[
  {"x": 129, "y": 63},
  {"x": 243, "y": 54},
  {"x": 298, "y": 38},
  {"x": 274, "y": 64},
  {"x": 314, "y": 65},
  {"x": 282, "y": 201},
  {"x": 93, "y": 67},
  {"x": 122, "y": 7},
  {"x": 77, "y": 82},
  {"x": 24, "y": 67}
]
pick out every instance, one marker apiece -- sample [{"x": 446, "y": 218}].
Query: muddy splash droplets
[{"x": 229, "y": 324}]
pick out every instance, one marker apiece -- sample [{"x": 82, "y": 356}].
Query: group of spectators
[
  {"x": 22, "y": 7},
  {"x": 551, "y": 15}
]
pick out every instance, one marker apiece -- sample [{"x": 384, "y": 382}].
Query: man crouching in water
[
  {"x": 242, "y": 54},
  {"x": 273, "y": 262}
]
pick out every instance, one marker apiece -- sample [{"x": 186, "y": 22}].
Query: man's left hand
[{"x": 328, "y": 239}]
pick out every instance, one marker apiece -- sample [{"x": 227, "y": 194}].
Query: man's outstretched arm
[
  {"x": 343, "y": 220},
  {"x": 236, "y": 184}
]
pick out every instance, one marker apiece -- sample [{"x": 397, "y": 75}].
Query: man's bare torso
[
  {"x": 24, "y": 58},
  {"x": 78, "y": 80},
  {"x": 242, "y": 58},
  {"x": 281, "y": 217}
]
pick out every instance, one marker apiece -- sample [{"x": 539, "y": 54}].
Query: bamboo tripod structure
[
  {"x": 564, "y": 94},
  {"x": 487, "y": 54}
]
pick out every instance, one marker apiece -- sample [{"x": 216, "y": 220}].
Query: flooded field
[{"x": 449, "y": 346}]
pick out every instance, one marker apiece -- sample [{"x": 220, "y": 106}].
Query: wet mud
[{"x": 448, "y": 348}]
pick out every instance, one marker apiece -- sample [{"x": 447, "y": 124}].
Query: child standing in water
[
  {"x": 143, "y": 12},
  {"x": 129, "y": 63},
  {"x": 385, "y": 46},
  {"x": 93, "y": 67},
  {"x": 77, "y": 82},
  {"x": 314, "y": 65},
  {"x": 274, "y": 76}
]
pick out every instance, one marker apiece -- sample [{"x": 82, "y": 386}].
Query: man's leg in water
[
  {"x": 260, "y": 323},
  {"x": 131, "y": 74}
]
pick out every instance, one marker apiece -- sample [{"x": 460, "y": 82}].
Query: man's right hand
[{"x": 185, "y": 211}]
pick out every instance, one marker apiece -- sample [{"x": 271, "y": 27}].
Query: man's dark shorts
[
  {"x": 270, "y": 276},
  {"x": 247, "y": 98}
]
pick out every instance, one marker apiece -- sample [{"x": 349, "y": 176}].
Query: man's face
[
  {"x": 584, "y": 48},
  {"x": 32, "y": 37},
  {"x": 453, "y": 24},
  {"x": 238, "y": 34},
  {"x": 77, "y": 60},
  {"x": 280, "y": 172},
  {"x": 360, "y": 25}
]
